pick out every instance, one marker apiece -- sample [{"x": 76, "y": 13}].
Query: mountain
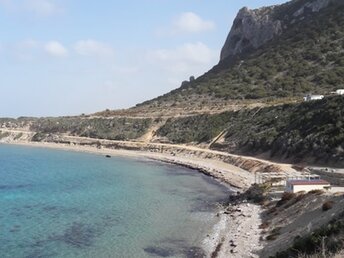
[
  {"x": 250, "y": 102},
  {"x": 253, "y": 28},
  {"x": 272, "y": 54}
]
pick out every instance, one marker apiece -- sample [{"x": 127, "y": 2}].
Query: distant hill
[{"x": 282, "y": 51}]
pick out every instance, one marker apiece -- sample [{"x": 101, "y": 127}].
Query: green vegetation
[
  {"x": 102, "y": 128},
  {"x": 18, "y": 136},
  {"x": 294, "y": 131},
  {"x": 307, "y": 57},
  {"x": 200, "y": 128},
  {"x": 331, "y": 235},
  {"x": 4, "y": 134},
  {"x": 257, "y": 193}
]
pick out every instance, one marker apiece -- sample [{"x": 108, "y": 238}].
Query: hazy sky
[{"x": 67, "y": 57}]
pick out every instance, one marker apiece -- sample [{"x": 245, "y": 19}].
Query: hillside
[
  {"x": 304, "y": 56},
  {"x": 310, "y": 131}
]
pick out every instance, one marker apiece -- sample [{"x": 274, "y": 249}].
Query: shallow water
[{"x": 66, "y": 204}]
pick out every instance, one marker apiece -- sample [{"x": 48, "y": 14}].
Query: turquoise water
[{"x": 66, "y": 204}]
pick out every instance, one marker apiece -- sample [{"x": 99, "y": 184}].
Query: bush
[
  {"x": 264, "y": 225},
  {"x": 274, "y": 233},
  {"x": 285, "y": 198},
  {"x": 4, "y": 135},
  {"x": 327, "y": 205},
  {"x": 316, "y": 192},
  {"x": 271, "y": 237}
]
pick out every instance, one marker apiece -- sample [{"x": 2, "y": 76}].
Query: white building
[
  {"x": 340, "y": 92},
  {"x": 294, "y": 186},
  {"x": 310, "y": 97}
]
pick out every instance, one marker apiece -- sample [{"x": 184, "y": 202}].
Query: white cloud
[
  {"x": 93, "y": 48},
  {"x": 197, "y": 53},
  {"x": 190, "y": 22},
  {"x": 42, "y": 7},
  {"x": 56, "y": 49}
]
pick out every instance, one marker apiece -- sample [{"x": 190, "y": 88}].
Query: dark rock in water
[
  {"x": 78, "y": 235},
  {"x": 13, "y": 187},
  {"x": 107, "y": 156},
  {"x": 159, "y": 251}
]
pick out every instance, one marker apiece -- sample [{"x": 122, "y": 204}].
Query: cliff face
[{"x": 253, "y": 28}]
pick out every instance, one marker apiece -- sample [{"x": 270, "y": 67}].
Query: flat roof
[{"x": 309, "y": 182}]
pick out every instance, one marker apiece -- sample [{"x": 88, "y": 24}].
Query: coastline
[
  {"x": 236, "y": 223},
  {"x": 233, "y": 176},
  {"x": 229, "y": 235},
  {"x": 237, "y": 234}
]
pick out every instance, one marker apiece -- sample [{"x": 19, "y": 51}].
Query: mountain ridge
[{"x": 295, "y": 63}]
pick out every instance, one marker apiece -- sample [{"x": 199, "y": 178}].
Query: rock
[
  {"x": 253, "y": 28},
  {"x": 313, "y": 6}
]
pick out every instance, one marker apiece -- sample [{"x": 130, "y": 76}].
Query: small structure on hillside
[
  {"x": 294, "y": 186},
  {"x": 310, "y": 97},
  {"x": 281, "y": 178},
  {"x": 340, "y": 92}
]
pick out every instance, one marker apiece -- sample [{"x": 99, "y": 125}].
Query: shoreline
[
  {"x": 237, "y": 234},
  {"x": 228, "y": 236},
  {"x": 233, "y": 176}
]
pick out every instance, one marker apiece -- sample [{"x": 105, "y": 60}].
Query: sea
[{"x": 56, "y": 203}]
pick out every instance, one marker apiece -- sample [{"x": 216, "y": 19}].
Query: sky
[{"x": 68, "y": 57}]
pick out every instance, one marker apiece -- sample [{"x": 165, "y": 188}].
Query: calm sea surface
[{"x": 66, "y": 204}]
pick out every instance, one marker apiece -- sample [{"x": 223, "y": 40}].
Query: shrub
[
  {"x": 264, "y": 225},
  {"x": 274, "y": 233},
  {"x": 271, "y": 237},
  {"x": 18, "y": 136},
  {"x": 327, "y": 205},
  {"x": 316, "y": 192},
  {"x": 4, "y": 135},
  {"x": 285, "y": 198}
]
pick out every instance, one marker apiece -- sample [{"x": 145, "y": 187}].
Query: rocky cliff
[
  {"x": 278, "y": 53},
  {"x": 253, "y": 28}
]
